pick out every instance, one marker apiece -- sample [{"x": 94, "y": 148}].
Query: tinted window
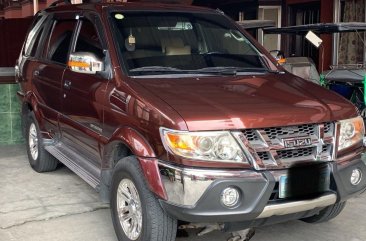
[
  {"x": 34, "y": 35},
  {"x": 36, "y": 42},
  {"x": 182, "y": 41},
  {"x": 88, "y": 40},
  {"x": 59, "y": 42}
]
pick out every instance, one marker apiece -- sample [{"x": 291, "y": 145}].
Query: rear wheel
[
  {"x": 39, "y": 159},
  {"x": 326, "y": 214},
  {"x": 136, "y": 212}
]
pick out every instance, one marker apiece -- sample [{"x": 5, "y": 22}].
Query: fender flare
[
  {"x": 134, "y": 141},
  {"x": 30, "y": 98},
  {"x": 144, "y": 153}
]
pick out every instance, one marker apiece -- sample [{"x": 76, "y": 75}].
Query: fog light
[
  {"x": 356, "y": 176},
  {"x": 230, "y": 196}
]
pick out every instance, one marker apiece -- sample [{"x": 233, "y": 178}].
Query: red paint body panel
[
  {"x": 152, "y": 175},
  {"x": 134, "y": 141},
  {"x": 249, "y": 101}
]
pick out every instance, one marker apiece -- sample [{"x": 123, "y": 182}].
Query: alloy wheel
[
  {"x": 129, "y": 209},
  {"x": 33, "y": 141}
]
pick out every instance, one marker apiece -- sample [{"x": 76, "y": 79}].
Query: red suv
[{"x": 173, "y": 112}]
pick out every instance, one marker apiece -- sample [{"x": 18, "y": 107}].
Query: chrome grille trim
[{"x": 265, "y": 148}]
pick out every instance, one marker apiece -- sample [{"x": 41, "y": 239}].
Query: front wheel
[
  {"x": 136, "y": 213},
  {"x": 326, "y": 214}
]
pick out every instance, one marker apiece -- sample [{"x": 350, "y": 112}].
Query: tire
[
  {"x": 39, "y": 159},
  {"x": 326, "y": 214},
  {"x": 155, "y": 224}
]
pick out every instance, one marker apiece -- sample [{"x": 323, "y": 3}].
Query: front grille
[
  {"x": 250, "y": 135},
  {"x": 301, "y": 130},
  {"x": 326, "y": 148},
  {"x": 263, "y": 156},
  {"x": 296, "y": 153},
  {"x": 329, "y": 129},
  {"x": 268, "y": 144}
]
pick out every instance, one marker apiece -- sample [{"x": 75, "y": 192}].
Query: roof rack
[{"x": 54, "y": 4}]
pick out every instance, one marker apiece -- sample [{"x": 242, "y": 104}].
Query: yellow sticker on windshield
[{"x": 119, "y": 16}]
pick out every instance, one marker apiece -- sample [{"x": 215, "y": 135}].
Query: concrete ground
[{"x": 61, "y": 206}]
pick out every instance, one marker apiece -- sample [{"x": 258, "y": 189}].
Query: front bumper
[{"x": 194, "y": 194}]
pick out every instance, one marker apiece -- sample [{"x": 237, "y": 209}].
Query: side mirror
[
  {"x": 85, "y": 62},
  {"x": 279, "y": 56}
]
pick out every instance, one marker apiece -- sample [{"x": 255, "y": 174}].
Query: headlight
[
  {"x": 351, "y": 132},
  {"x": 207, "y": 146}
]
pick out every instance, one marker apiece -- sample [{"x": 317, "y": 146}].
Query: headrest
[
  {"x": 185, "y": 50},
  {"x": 171, "y": 42}
]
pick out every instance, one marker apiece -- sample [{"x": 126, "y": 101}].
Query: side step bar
[{"x": 76, "y": 163}]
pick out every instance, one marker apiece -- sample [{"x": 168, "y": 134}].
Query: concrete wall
[
  {"x": 27, "y": 9},
  {"x": 13, "y": 12},
  {"x": 24, "y": 9}
]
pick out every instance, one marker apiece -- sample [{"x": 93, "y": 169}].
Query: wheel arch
[
  {"x": 28, "y": 105},
  {"x": 129, "y": 142}
]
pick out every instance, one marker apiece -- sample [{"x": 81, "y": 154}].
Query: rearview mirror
[{"x": 85, "y": 62}]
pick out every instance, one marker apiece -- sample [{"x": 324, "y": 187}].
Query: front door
[{"x": 81, "y": 121}]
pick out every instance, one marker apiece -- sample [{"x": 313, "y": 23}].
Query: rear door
[
  {"x": 84, "y": 94},
  {"x": 50, "y": 67},
  {"x": 28, "y": 64}
]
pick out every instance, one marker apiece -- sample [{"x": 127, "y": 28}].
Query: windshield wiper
[
  {"x": 155, "y": 69},
  {"x": 172, "y": 70},
  {"x": 219, "y": 70},
  {"x": 235, "y": 70},
  {"x": 230, "y": 70},
  {"x": 258, "y": 70}
]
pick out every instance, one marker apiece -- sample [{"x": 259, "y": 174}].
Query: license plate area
[{"x": 304, "y": 182}]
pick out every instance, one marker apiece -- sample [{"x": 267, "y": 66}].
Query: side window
[
  {"x": 88, "y": 40},
  {"x": 36, "y": 42},
  {"x": 59, "y": 42},
  {"x": 34, "y": 35}
]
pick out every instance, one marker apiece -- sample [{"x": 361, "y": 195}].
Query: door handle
[
  {"x": 36, "y": 73},
  {"x": 67, "y": 84}
]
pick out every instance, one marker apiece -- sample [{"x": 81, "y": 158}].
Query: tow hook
[{"x": 242, "y": 235}]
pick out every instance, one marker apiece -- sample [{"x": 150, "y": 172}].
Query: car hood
[{"x": 238, "y": 102}]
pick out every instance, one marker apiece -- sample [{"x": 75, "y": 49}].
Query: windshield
[{"x": 152, "y": 43}]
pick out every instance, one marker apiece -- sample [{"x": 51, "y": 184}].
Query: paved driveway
[{"x": 60, "y": 206}]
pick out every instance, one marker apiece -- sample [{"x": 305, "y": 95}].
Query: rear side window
[
  {"x": 60, "y": 40},
  {"x": 36, "y": 42},
  {"x": 34, "y": 36},
  {"x": 88, "y": 40}
]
